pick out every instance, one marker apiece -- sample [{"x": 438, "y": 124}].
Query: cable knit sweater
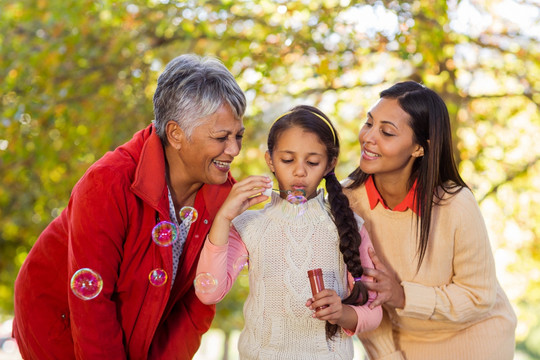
[
  {"x": 284, "y": 241},
  {"x": 454, "y": 305}
]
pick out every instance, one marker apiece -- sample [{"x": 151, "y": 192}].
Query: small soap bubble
[
  {"x": 240, "y": 264},
  {"x": 296, "y": 198},
  {"x": 188, "y": 214},
  {"x": 165, "y": 233},
  {"x": 157, "y": 277},
  {"x": 205, "y": 283},
  {"x": 86, "y": 284},
  {"x": 298, "y": 192}
]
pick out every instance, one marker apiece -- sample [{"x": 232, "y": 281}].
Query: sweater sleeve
[
  {"x": 368, "y": 319},
  {"x": 379, "y": 343},
  {"x": 471, "y": 291},
  {"x": 221, "y": 264}
]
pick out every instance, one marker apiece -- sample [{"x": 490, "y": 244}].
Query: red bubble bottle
[{"x": 317, "y": 283}]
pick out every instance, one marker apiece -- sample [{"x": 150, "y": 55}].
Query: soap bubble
[
  {"x": 165, "y": 233},
  {"x": 157, "y": 277},
  {"x": 188, "y": 214},
  {"x": 297, "y": 192},
  {"x": 86, "y": 284},
  {"x": 296, "y": 197},
  {"x": 301, "y": 210},
  {"x": 205, "y": 283},
  {"x": 241, "y": 263}
]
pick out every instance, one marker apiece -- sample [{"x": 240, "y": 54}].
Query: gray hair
[{"x": 193, "y": 87}]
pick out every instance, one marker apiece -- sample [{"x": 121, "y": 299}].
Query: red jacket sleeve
[{"x": 97, "y": 223}]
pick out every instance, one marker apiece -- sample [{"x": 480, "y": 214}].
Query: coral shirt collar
[{"x": 375, "y": 197}]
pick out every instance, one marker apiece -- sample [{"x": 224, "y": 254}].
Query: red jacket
[{"x": 107, "y": 227}]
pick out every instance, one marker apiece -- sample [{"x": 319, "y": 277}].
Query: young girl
[
  {"x": 285, "y": 240},
  {"x": 437, "y": 281}
]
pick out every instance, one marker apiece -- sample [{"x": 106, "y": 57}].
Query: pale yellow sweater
[{"x": 455, "y": 307}]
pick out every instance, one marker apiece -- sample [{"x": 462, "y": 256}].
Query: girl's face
[
  {"x": 299, "y": 161},
  {"x": 387, "y": 142}
]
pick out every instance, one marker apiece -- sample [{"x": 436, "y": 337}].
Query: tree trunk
[{"x": 226, "y": 345}]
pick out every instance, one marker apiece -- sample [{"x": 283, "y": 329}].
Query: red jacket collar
[
  {"x": 149, "y": 182},
  {"x": 375, "y": 197}
]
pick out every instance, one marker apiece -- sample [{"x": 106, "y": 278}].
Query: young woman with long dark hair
[{"x": 434, "y": 268}]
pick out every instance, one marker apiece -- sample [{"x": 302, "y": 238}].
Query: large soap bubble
[
  {"x": 86, "y": 284},
  {"x": 205, "y": 283},
  {"x": 165, "y": 233},
  {"x": 157, "y": 277}
]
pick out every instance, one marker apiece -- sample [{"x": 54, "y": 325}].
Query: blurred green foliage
[{"x": 77, "y": 78}]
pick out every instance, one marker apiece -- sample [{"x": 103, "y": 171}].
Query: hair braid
[{"x": 349, "y": 243}]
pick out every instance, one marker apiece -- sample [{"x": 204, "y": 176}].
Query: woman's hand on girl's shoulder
[{"x": 385, "y": 283}]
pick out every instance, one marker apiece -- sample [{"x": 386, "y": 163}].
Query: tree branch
[{"x": 510, "y": 178}]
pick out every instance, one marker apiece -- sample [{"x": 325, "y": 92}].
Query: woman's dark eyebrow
[{"x": 383, "y": 121}]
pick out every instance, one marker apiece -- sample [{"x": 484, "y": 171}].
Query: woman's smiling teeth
[
  {"x": 371, "y": 154},
  {"x": 222, "y": 165}
]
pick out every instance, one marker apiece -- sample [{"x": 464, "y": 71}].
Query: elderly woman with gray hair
[{"x": 112, "y": 276}]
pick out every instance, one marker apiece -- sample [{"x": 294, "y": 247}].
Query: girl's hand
[
  {"x": 243, "y": 195},
  {"x": 385, "y": 283},
  {"x": 330, "y": 305}
]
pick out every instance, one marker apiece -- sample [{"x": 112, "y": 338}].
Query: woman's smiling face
[
  {"x": 207, "y": 155},
  {"x": 387, "y": 141}
]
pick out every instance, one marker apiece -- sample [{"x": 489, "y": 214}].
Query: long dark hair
[
  {"x": 430, "y": 123},
  {"x": 310, "y": 119}
]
